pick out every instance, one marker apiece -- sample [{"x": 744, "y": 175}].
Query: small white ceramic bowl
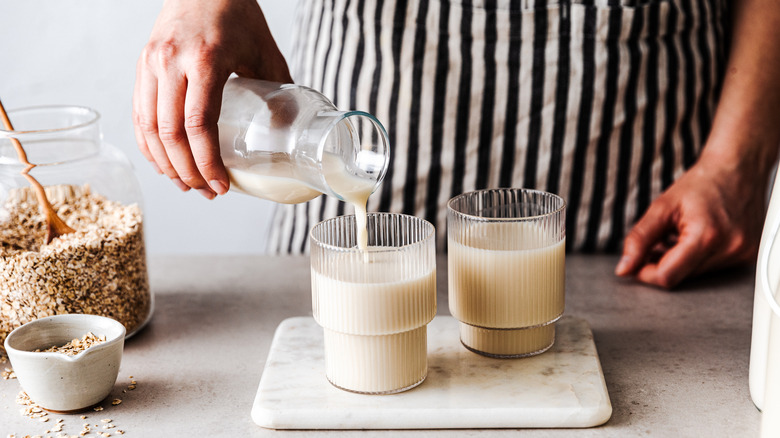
[{"x": 61, "y": 383}]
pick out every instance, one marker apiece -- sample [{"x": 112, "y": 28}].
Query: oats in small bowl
[{"x": 67, "y": 363}]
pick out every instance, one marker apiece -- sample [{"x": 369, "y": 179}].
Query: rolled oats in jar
[{"x": 98, "y": 269}]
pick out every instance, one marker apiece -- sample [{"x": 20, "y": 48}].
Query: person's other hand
[
  {"x": 194, "y": 47},
  {"x": 710, "y": 218}
]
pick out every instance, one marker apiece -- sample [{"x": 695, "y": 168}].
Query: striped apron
[{"x": 604, "y": 102}]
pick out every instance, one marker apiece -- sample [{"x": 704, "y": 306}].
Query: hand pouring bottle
[{"x": 289, "y": 144}]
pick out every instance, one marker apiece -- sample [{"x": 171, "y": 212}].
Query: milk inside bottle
[{"x": 289, "y": 144}]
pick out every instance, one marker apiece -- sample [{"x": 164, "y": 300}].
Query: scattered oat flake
[
  {"x": 106, "y": 420},
  {"x": 116, "y": 401},
  {"x": 83, "y": 417},
  {"x": 98, "y": 408},
  {"x": 8, "y": 374}
]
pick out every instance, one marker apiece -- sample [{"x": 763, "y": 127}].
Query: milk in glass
[
  {"x": 375, "y": 318},
  {"x": 374, "y": 304},
  {"x": 506, "y": 287}
]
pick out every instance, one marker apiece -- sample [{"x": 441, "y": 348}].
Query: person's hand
[
  {"x": 194, "y": 47},
  {"x": 710, "y": 218}
]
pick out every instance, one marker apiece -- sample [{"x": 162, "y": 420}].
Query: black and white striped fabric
[{"x": 605, "y": 102}]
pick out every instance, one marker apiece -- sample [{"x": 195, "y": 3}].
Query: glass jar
[
  {"x": 100, "y": 268},
  {"x": 289, "y": 143}
]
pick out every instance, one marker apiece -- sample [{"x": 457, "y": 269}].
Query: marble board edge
[{"x": 266, "y": 415}]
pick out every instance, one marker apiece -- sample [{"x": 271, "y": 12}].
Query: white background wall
[{"x": 83, "y": 52}]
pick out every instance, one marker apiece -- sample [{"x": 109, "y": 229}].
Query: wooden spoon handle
[{"x": 55, "y": 226}]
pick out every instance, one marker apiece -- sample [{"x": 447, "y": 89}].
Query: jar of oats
[{"x": 100, "y": 268}]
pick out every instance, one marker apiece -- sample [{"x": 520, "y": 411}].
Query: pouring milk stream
[{"x": 289, "y": 144}]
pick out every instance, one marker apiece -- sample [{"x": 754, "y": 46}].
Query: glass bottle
[
  {"x": 101, "y": 267},
  {"x": 289, "y": 143}
]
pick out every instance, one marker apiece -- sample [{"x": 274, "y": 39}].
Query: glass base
[
  {"x": 507, "y": 343},
  {"x": 376, "y": 364},
  {"x": 392, "y": 391}
]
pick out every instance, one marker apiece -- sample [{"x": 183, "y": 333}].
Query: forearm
[{"x": 745, "y": 133}]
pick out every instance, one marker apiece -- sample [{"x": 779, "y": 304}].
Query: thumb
[{"x": 643, "y": 237}]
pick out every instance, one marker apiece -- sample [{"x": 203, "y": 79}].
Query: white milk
[
  {"x": 506, "y": 289},
  {"x": 352, "y": 189},
  {"x": 376, "y": 364},
  {"x": 271, "y": 181},
  {"x": 374, "y": 305},
  {"x": 375, "y": 335},
  {"x": 273, "y": 177},
  {"x": 500, "y": 281}
]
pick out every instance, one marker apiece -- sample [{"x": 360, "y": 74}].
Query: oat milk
[
  {"x": 374, "y": 323},
  {"x": 352, "y": 189},
  {"x": 273, "y": 177},
  {"x": 272, "y": 181},
  {"x": 507, "y": 276}
]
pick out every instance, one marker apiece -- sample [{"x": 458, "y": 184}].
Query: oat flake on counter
[
  {"x": 100, "y": 269},
  {"x": 33, "y": 411}
]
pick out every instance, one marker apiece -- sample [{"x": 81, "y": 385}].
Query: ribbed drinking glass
[
  {"x": 374, "y": 305},
  {"x": 506, "y": 256}
]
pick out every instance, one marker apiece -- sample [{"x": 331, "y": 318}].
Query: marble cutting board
[{"x": 563, "y": 387}]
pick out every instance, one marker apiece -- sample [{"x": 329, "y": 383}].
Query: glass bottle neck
[{"x": 351, "y": 153}]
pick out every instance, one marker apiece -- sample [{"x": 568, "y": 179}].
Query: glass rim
[
  {"x": 429, "y": 235},
  {"x": 474, "y": 217},
  {"x": 94, "y": 117}
]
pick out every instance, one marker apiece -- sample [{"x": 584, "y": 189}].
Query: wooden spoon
[{"x": 55, "y": 226}]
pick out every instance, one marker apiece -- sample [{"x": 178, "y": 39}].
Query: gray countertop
[{"x": 675, "y": 363}]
